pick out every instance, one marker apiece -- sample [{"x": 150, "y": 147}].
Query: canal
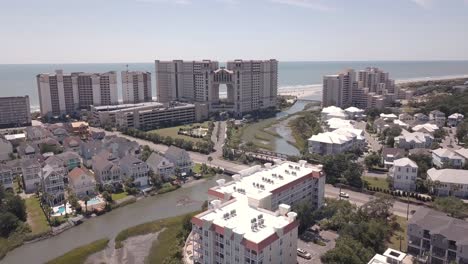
[{"x": 181, "y": 201}]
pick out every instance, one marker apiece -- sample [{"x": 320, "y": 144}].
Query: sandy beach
[{"x": 314, "y": 91}]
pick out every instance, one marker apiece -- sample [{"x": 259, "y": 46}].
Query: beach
[{"x": 314, "y": 91}]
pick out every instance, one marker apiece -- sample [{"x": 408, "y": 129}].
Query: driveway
[{"x": 315, "y": 250}]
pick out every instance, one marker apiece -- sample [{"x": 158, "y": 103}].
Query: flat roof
[
  {"x": 258, "y": 183},
  {"x": 15, "y": 136},
  {"x": 238, "y": 216}
]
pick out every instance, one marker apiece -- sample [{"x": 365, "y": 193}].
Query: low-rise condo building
[
  {"x": 337, "y": 141},
  {"x": 404, "y": 173},
  {"x": 408, "y": 140},
  {"x": 250, "y": 219},
  {"x": 440, "y": 239},
  {"x": 447, "y": 158},
  {"x": 448, "y": 182}
]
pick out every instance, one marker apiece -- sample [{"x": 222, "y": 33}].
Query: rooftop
[
  {"x": 15, "y": 136},
  {"x": 258, "y": 183},
  {"x": 403, "y": 162},
  {"x": 338, "y": 136},
  {"x": 446, "y": 153},
  {"x": 448, "y": 175}
]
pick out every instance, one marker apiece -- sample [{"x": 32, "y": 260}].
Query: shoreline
[{"x": 311, "y": 90}]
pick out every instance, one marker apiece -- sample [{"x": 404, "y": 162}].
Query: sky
[{"x": 98, "y": 31}]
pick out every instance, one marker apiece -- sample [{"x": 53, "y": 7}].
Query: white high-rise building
[
  {"x": 136, "y": 87},
  {"x": 250, "y": 85},
  {"x": 250, "y": 219},
  {"x": 61, "y": 93}
]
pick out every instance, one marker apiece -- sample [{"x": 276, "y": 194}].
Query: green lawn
[
  {"x": 394, "y": 240},
  {"x": 172, "y": 132},
  {"x": 255, "y": 132},
  {"x": 376, "y": 182},
  {"x": 80, "y": 254},
  {"x": 118, "y": 196},
  {"x": 36, "y": 217}
]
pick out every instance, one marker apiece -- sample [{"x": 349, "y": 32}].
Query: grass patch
[
  {"x": 172, "y": 132},
  {"x": 118, "y": 196},
  {"x": 401, "y": 232},
  {"x": 255, "y": 132},
  {"x": 197, "y": 168},
  {"x": 80, "y": 254},
  {"x": 36, "y": 217},
  {"x": 376, "y": 182}
]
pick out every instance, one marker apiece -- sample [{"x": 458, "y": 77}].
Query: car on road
[
  {"x": 344, "y": 195},
  {"x": 303, "y": 254}
]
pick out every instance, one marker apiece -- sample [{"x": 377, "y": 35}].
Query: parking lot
[{"x": 315, "y": 250}]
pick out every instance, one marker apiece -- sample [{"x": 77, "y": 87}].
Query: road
[
  {"x": 373, "y": 142},
  {"x": 359, "y": 199}
]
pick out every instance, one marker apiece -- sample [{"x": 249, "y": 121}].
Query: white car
[
  {"x": 344, "y": 195},
  {"x": 303, "y": 254}
]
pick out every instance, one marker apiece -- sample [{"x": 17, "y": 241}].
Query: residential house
[
  {"x": 82, "y": 182},
  {"x": 32, "y": 174},
  {"x": 421, "y": 117},
  {"x": 160, "y": 165},
  {"x": 439, "y": 238},
  {"x": 332, "y": 112},
  {"x": 454, "y": 119},
  {"x": 16, "y": 139},
  {"x": 408, "y": 140},
  {"x": 53, "y": 184},
  {"x": 15, "y": 166},
  {"x": 448, "y": 182},
  {"x": 28, "y": 150},
  {"x": 354, "y": 113},
  {"x": 391, "y": 154},
  {"x": 403, "y": 174},
  {"x": 80, "y": 129},
  {"x": 37, "y": 133},
  {"x": 107, "y": 169},
  {"x": 97, "y": 135},
  {"x": 447, "y": 158},
  {"x": 60, "y": 133},
  {"x": 58, "y": 165},
  {"x": 337, "y": 141},
  {"x": 71, "y": 159},
  {"x": 180, "y": 158},
  {"x": 6, "y": 149},
  {"x": 122, "y": 147},
  {"x": 135, "y": 169},
  {"x": 72, "y": 143},
  {"x": 463, "y": 152},
  {"x": 405, "y": 117},
  {"x": 6, "y": 177},
  {"x": 49, "y": 144},
  {"x": 391, "y": 256},
  {"x": 390, "y": 117},
  {"x": 420, "y": 151},
  {"x": 426, "y": 128},
  {"x": 90, "y": 149},
  {"x": 437, "y": 117}
]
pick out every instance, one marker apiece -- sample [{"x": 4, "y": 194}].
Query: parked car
[
  {"x": 303, "y": 254},
  {"x": 344, "y": 195}
]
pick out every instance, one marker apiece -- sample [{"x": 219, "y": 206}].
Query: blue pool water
[
  {"x": 94, "y": 200},
  {"x": 61, "y": 210}
]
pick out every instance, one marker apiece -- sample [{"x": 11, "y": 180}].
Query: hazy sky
[{"x": 60, "y": 31}]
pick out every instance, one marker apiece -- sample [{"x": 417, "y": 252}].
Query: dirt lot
[{"x": 316, "y": 250}]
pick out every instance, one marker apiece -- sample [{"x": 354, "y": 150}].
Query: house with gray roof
[
  {"x": 440, "y": 238},
  {"x": 180, "y": 158},
  {"x": 391, "y": 154},
  {"x": 6, "y": 177},
  {"x": 90, "y": 149},
  {"x": 448, "y": 182},
  {"x": 122, "y": 147},
  {"x": 53, "y": 184},
  {"x": 32, "y": 174},
  {"x": 408, "y": 140},
  {"x": 6, "y": 149},
  {"x": 28, "y": 150},
  {"x": 160, "y": 165},
  {"x": 72, "y": 143},
  {"x": 36, "y": 133},
  {"x": 437, "y": 117},
  {"x": 106, "y": 168},
  {"x": 71, "y": 159},
  {"x": 447, "y": 158},
  {"x": 135, "y": 169}
]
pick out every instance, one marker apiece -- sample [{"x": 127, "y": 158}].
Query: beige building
[
  {"x": 64, "y": 93},
  {"x": 15, "y": 111},
  {"x": 136, "y": 87},
  {"x": 250, "y": 85}
]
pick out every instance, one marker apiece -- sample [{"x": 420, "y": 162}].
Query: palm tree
[
  {"x": 210, "y": 159},
  {"x": 86, "y": 199}
]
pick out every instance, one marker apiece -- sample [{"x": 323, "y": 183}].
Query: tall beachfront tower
[
  {"x": 136, "y": 87},
  {"x": 240, "y": 87}
]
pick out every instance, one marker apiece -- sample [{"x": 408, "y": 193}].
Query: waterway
[{"x": 181, "y": 201}]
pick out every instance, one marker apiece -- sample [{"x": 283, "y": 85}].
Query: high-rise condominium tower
[
  {"x": 136, "y": 87},
  {"x": 61, "y": 93},
  {"x": 250, "y": 85},
  {"x": 369, "y": 88},
  {"x": 15, "y": 111}
]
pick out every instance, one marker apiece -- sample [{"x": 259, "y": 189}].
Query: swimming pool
[
  {"x": 94, "y": 200},
  {"x": 61, "y": 210}
]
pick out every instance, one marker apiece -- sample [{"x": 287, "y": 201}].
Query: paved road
[
  {"x": 450, "y": 140},
  {"x": 372, "y": 141},
  {"x": 359, "y": 199},
  {"x": 195, "y": 156}
]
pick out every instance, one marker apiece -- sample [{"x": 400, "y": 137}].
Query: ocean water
[{"x": 19, "y": 79}]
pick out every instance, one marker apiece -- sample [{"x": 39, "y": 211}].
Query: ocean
[{"x": 19, "y": 79}]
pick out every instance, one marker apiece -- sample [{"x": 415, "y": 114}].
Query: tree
[
  {"x": 107, "y": 196},
  {"x": 210, "y": 159},
  {"x": 372, "y": 160},
  {"x": 86, "y": 199},
  {"x": 378, "y": 208},
  {"x": 453, "y": 206},
  {"x": 15, "y": 205},
  {"x": 8, "y": 223},
  {"x": 304, "y": 211},
  {"x": 424, "y": 163},
  {"x": 347, "y": 251}
]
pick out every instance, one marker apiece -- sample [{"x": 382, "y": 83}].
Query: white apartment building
[
  {"x": 136, "y": 87},
  {"x": 65, "y": 93},
  {"x": 404, "y": 173},
  {"x": 330, "y": 112},
  {"x": 336, "y": 141},
  {"x": 15, "y": 111},
  {"x": 250, "y": 219},
  {"x": 448, "y": 182},
  {"x": 442, "y": 158},
  {"x": 250, "y": 85},
  {"x": 368, "y": 88}
]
